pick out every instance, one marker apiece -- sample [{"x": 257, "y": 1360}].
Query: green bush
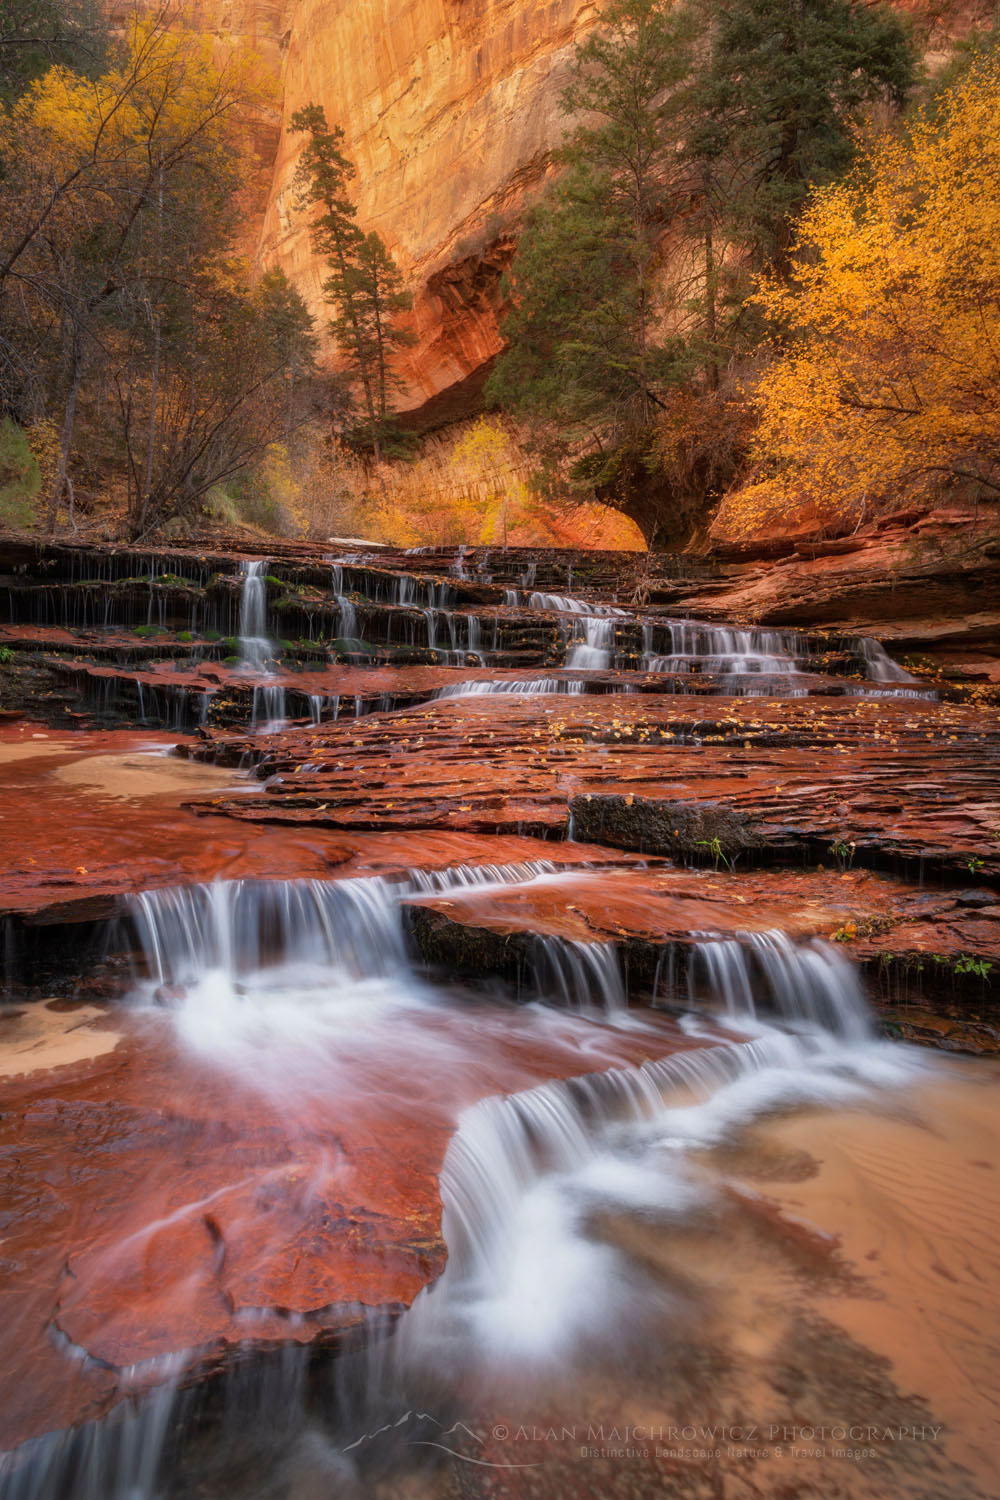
[{"x": 20, "y": 478}]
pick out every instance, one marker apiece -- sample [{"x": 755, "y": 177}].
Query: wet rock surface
[{"x": 657, "y": 763}]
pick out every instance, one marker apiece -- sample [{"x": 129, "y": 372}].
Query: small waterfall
[
  {"x": 508, "y": 687},
  {"x": 269, "y": 706},
  {"x": 563, "y": 604},
  {"x": 594, "y": 652},
  {"x": 320, "y": 703},
  {"x": 766, "y": 973},
  {"x": 696, "y": 645},
  {"x": 255, "y": 648},
  {"x": 511, "y": 598},
  {"x": 579, "y": 975},
  {"x": 524, "y": 1174},
  {"x": 347, "y": 626},
  {"x": 238, "y": 927},
  {"x": 879, "y": 664}
]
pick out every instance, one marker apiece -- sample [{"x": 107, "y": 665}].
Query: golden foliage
[
  {"x": 468, "y": 485},
  {"x": 890, "y": 384}
]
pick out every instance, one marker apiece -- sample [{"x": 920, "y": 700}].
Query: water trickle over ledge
[{"x": 319, "y": 1116}]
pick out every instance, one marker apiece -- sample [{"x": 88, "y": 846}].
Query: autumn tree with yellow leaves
[
  {"x": 126, "y": 316},
  {"x": 888, "y": 389}
]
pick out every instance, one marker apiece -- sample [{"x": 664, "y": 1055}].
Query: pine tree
[
  {"x": 702, "y": 125},
  {"x": 364, "y": 286},
  {"x": 774, "y": 106}
]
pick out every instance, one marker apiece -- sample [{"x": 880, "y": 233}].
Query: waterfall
[
  {"x": 529, "y": 1284},
  {"x": 268, "y": 706},
  {"x": 579, "y": 976},
  {"x": 594, "y": 652},
  {"x": 879, "y": 664},
  {"x": 347, "y": 626},
  {"x": 508, "y": 686},
  {"x": 563, "y": 604},
  {"x": 238, "y": 927},
  {"x": 255, "y": 648},
  {"x": 696, "y": 645},
  {"x": 524, "y": 1174},
  {"x": 808, "y": 983}
]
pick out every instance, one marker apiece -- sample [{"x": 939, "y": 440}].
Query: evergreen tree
[
  {"x": 703, "y": 124},
  {"x": 781, "y": 88},
  {"x": 36, "y": 35},
  {"x": 365, "y": 285}
]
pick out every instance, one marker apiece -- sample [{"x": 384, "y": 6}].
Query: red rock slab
[
  {"x": 952, "y": 938},
  {"x": 895, "y": 778},
  {"x": 72, "y": 847},
  {"x": 158, "y": 1205},
  {"x": 75, "y": 839},
  {"x": 406, "y": 684},
  {"x": 951, "y": 573},
  {"x": 673, "y": 905}
]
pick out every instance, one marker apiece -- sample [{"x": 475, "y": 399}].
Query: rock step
[
  {"x": 943, "y": 944},
  {"x": 868, "y": 781}
]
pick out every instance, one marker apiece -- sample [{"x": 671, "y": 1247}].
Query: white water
[
  {"x": 696, "y": 645},
  {"x": 520, "y": 686},
  {"x": 593, "y": 653},
  {"x": 269, "y": 707},
  {"x": 292, "y": 986},
  {"x": 348, "y": 624},
  {"x": 564, "y": 604},
  {"x": 801, "y": 983},
  {"x": 879, "y": 664},
  {"x": 255, "y": 647}
]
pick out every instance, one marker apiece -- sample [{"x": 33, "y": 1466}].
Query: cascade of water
[
  {"x": 879, "y": 664},
  {"x": 563, "y": 604},
  {"x": 810, "y": 982},
  {"x": 511, "y": 598},
  {"x": 255, "y": 648},
  {"x": 523, "y": 1176},
  {"x": 347, "y": 626},
  {"x": 509, "y": 686},
  {"x": 579, "y": 975},
  {"x": 236, "y": 927},
  {"x": 269, "y": 706},
  {"x": 524, "y": 1173},
  {"x": 696, "y": 645},
  {"x": 594, "y": 652}
]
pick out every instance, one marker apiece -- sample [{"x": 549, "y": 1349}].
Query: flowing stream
[
  {"x": 599, "y": 1238},
  {"x": 571, "y": 1207}
]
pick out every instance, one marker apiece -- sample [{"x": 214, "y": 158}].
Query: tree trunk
[{"x": 66, "y": 431}]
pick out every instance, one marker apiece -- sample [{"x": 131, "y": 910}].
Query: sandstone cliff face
[{"x": 450, "y": 110}]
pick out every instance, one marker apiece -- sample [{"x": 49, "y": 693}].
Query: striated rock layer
[{"x": 450, "y": 111}]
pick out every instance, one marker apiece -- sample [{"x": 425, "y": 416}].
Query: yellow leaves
[{"x": 892, "y": 376}]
